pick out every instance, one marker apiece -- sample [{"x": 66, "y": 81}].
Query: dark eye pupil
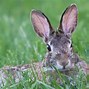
[
  {"x": 71, "y": 45},
  {"x": 48, "y": 47}
]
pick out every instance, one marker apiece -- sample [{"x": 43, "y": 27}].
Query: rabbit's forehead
[
  {"x": 60, "y": 43},
  {"x": 59, "y": 40}
]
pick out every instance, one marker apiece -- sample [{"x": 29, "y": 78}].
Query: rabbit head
[{"x": 58, "y": 41}]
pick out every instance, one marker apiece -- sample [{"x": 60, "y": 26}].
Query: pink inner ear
[
  {"x": 69, "y": 20},
  {"x": 40, "y": 24}
]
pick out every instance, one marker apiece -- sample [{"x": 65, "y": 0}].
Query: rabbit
[
  {"x": 16, "y": 73},
  {"x": 60, "y": 52}
]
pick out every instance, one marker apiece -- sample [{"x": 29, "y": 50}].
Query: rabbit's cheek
[{"x": 47, "y": 69}]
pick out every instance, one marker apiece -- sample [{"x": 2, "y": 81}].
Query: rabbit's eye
[
  {"x": 71, "y": 45},
  {"x": 48, "y": 47}
]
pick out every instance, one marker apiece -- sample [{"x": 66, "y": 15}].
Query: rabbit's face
[
  {"x": 59, "y": 51},
  {"x": 58, "y": 42}
]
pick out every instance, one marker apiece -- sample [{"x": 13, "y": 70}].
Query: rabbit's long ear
[
  {"x": 69, "y": 19},
  {"x": 41, "y": 24}
]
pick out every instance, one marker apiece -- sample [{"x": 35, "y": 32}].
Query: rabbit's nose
[{"x": 64, "y": 64}]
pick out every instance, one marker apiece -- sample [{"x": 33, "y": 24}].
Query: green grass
[{"x": 20, "y": 45}]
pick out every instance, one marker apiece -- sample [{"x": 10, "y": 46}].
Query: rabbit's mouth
[
  {"x": 63, "y": 65},
  {"x": 46, "y": 69},
  {"x": 58, "y": 67}
]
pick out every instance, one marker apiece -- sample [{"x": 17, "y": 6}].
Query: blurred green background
[{"x": 18, "y": 42}]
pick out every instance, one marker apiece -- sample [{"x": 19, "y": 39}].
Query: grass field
[{"x": 20, "y": 45}]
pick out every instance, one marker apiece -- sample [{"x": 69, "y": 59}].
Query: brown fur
[{"x": 60, "y": 54}]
